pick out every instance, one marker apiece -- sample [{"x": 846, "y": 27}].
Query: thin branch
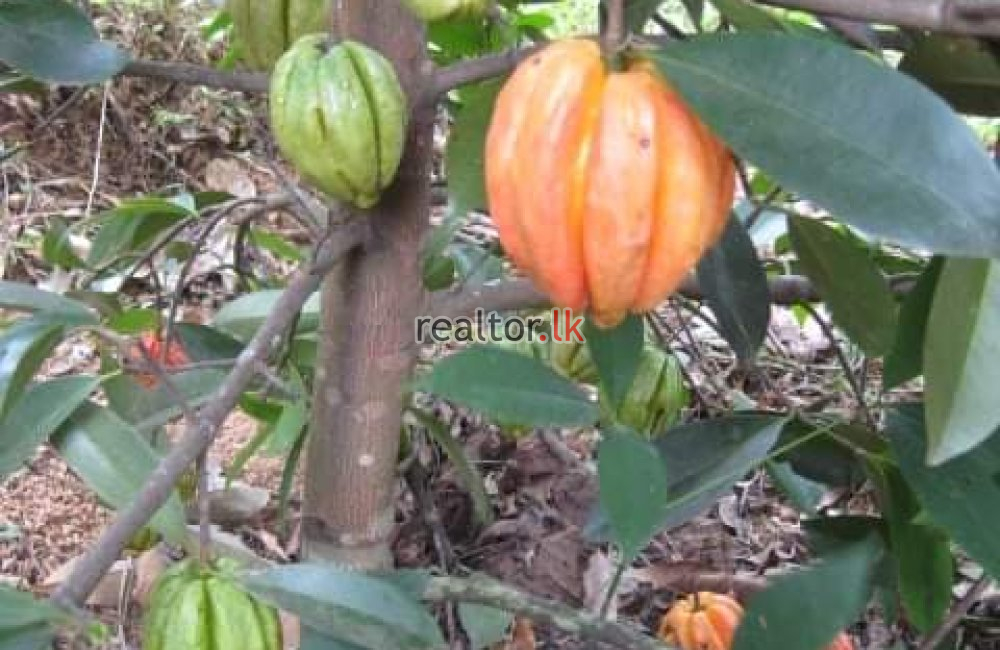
[
  {"x": 614, "y": 33},
  {"x": 197, "y": 75},
  {"x": 955, "y": 616},
  {"x": 473, "y": 70},
  {"x": 89, "y": 570},
  {"x": 946, "y": 16},
  {"x": 482, "y": 590}
]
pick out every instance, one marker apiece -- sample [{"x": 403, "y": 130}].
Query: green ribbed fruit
[
  {"x": 203, "y": 609},
  {"x": 657, "y": 394},
  {"x": 339, "y": 115},
  {"x": 435, "y": 10},
  {"x": 266, "y": 28}
]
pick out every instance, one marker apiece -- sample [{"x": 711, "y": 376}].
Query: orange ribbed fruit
[
  {"x": 606, "y": 189},
  {"x": 702, "y": 621}
]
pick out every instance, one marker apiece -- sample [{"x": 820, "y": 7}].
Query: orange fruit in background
[
  {"x": 605, "y": 188},
  {"x": 702, "y": 621},
  {"x": 708, "y": 621},
  {"x": 171, "y": 356}
]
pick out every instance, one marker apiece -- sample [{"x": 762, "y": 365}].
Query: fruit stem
[{"x": 614, "y": 32}]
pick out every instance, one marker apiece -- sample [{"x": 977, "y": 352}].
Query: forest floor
[{"x": 158, "y": 136}]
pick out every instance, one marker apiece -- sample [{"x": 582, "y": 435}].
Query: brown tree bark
[{"x": 367, "y": 347}]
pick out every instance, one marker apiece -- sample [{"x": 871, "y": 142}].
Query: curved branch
[
  {"x": 187, "y": 73},
  {"x": 520, "y": 293},
  {"x": 197, "y": 437},
  {"x": 970, "y": 17},
  {"x": 473, "y": 70},
  {"x": 483, "y": 590}
]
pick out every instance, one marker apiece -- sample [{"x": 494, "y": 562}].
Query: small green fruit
[
  {"x": 266, "y": 28},
  {"x": 338, "y": 113}
]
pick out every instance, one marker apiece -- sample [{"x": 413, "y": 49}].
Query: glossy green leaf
[
  {"x": 204, "y": 343},
  {"x": 906, "y": 360},
  {"x": 276, "y": 244},
  {"x": 243, "y": 316},
  {"x": 23, "y": 348},
  {"x": 616, "y": 353},
  {"x": 464, "y": 156},
  {"x": 804, "y": 494},
  {"x": 40, "y": 411},
  {"x": 703, "y": 461},
  {"x": 134, "y": 321},
  {"x": 963, "y": 70},
  {"x": 922, "y": 553},
  {"x": 801, "y": 109},
  {"x": 633, "y": 488},
  {"x": 358, "y": 608},
  {"x": 130, "y": 228},
  {"x": 57, "y": 249},
  {"x": 485, "y": 626},
  {"x": 849, "y": 282},
  {"x": 705, "y": 458},
  {"x": 148, "y": 409},
  {"x": 960, "y": 352},
  {"x": 735, "y": 286},
  {"x": 114, "y": 461},
  {"x": 509, "y": 387},
  {"x": 746, "y": 16},
  {"x": 23, "y": 297},
  {"x": 53, "y": 40},
  {"x": 806, "y": 609},
  {"x": 21, "y": 609},
  {"x": 957, "y": 495}
]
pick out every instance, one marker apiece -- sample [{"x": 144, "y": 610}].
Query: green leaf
[
  {"x": 115, "y": 462},
  {"x": 965, "y": 71},
  {"x": 21, "y": 609},
  {"x": 820, "y": 453},
  {"x": 466, "y": 184},
  {"x": 849, "y": 282},
  {"x": 705, "y": 458},
  {"x": 467, "y": 472},
  {"x": 633, "y": 488},
  {"x": 956, "y": 494},
  {"x": 805, "y": 610},
  {"x": 616, "y": 352},
  {"x": 960, "y": 352},
  {"x": 23, "y": 297},
  {"x": 735, "y": 286},
  {"x": 56, "y": 247},
  {"x": 130, "y": 228},
  {"x": 243, "y": 316},
  {"x": 134, "y": 321},
  {"x": 922, "y": 553},
  {"x": 509, "y": 387},
  {"x": 30, "y": 637},
  {"x": 276, "y": 244},
  {"x": 203, "y": 343},
  {"x": 40, "y": 411},
  {"x": 748, "y": 17},
  {"x": 23, "y": 348},
  {"x": 148, "y": 409},
  {"x": 54, "y": 41},
  {"x": 358, "y": 608},
  {"x": 485, "y": 626},
  {"x": 703, "y": 461},
  {"x": 805, "y": 495},
  {"x": 906, "y": 360},
  {"x": 801, "y": 109}
]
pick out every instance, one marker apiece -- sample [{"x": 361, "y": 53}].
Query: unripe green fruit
[
  {"x": 657, "y": 394},
  {"x": 266, "y": 28},
  {"x": 203, "y": 609},
  {"x": 435, "y": 10},
  {"x": 339, "y": 115}
]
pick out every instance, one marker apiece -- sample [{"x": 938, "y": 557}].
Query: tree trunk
[{"x": 367, "y": 348}]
